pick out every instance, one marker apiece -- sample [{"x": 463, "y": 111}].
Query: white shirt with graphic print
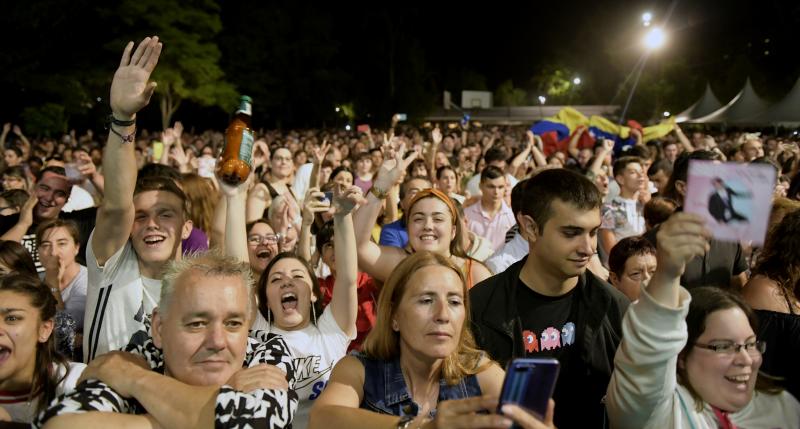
[
  {"x": 316, "y": 349},
  {"x": 117, "y": 299}
]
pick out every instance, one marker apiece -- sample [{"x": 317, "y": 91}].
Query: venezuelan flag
[{"x": 556, "y": 131}]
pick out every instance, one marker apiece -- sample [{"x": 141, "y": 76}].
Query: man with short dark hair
[
  {"x": 497, "y": 157},
  {"x": 623, "y": 215},
  {"x": 549, "y": 304},
  {"x": 47, "y": 198},
  {"x": 491, "y": 217},
  {"x": 659, "y": 174}
]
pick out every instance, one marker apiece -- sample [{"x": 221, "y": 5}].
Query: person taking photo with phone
[{"x": 419, "y": 367}]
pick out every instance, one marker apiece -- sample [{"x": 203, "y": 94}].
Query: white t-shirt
[
  {"x": 316, "y": 349},
  {"x": 79, "y": 199},
  {"x": 507, "y": 255},
  {"x": 623, "y": 216},
  {"x": 302, "y": 180},
  {"x": 74, "y": 296},
  {"x": 22, "y": 411},
  {"x": 117, "y": 299}
]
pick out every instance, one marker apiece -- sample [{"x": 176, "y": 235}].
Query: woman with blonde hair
[{"x": 419, "y": 367}]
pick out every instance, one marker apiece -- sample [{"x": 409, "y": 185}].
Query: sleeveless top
[
  {"x": 781, "y": 332},
  {"x": 385, "y": 390}
]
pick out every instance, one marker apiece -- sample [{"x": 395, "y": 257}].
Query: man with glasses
[{"x": 49, "y": 196}]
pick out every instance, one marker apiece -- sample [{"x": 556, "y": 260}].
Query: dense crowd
[{"x": 384, "y": 278}]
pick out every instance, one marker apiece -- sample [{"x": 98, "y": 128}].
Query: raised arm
[
  {"x": 317, "y": 157},
  {"x": 608, "y": 147},
  {"x": 430, "y": 153},
  {"x": 687, "y": 145},
  {"x": 344, "y": 302},
  {"x": 379, "y": 261},
  {"x": 4, "y": 134},
  {"x": 313, "y": 203},
  {"x": 522, "y": 156},
  {"x": 235, "y": 228},
  {"x": 572, "y": 147},
  {"x": 643, "y": 384},
  {"x": 130, "y": 92},
  {"x": 26, "y": 145}
]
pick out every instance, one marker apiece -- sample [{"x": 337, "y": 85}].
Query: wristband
[
  {"x": 379, "y": 193},
  {"x": 120, "y": 122},
  {"x": 125, "y": 139}
]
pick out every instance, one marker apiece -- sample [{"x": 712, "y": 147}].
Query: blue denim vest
[{"x": 385, "y": 390}]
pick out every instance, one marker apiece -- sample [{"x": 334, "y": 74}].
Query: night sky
[{"x": 300, "y": 60}]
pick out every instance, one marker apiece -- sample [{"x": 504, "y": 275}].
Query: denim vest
[{"x": 385, "y": 390}]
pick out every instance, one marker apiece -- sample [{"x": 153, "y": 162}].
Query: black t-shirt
[
  {"x": 548, "y": 323},
  {"x": 550, "y": 327},
  {"x": 84, "y": 219}
]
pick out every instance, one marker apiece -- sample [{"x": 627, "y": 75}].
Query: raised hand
[
  {"x": 436, "y": 136},
  {"x": 260, "y": 153},
  {"x": 393, "y": 168},
  {"x": 319, "y": 153},
  {"x": 347, "y": 199},
  {"x": 178, "y": 128},
  {"x": 6, "y": 127},
  {"x": 85, "y": 165},
  {"x": 16, "y": 130},
  {"x": 131, "y": 88},
  {"x": 168, "y": 137},
  {"x": 314, "y": 203},
  {"x": 682, "y": 237}
]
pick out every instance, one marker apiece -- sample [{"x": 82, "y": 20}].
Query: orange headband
[{"x": 435, "y": 193}]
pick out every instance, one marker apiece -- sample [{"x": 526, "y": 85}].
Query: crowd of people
[{"x": 384, "y": 278}]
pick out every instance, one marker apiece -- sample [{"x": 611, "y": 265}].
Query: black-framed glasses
[
  {"x": 753, "y": 348},
  {"x": 256, "y": 239}
]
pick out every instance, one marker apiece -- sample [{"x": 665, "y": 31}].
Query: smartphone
[
  {"x": 529, "y": 383},
  {"x": 158, "y": 150},
  {"x": 401, "y": 117},
  {"x": 363, "y": 128},
  {"x": 465, "y": 120},
  {"x": 328, "y": 197}
]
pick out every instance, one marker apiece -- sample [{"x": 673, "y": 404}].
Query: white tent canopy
[
  {"x": 707, "y": 104},
  {"x": 740, "y": 111}
]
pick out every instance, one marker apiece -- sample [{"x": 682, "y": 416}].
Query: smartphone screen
[
  {"x": 529, "y": 383},
  {"x": 402, "y": 117}
]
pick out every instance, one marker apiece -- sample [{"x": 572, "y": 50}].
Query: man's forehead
[
  {"x": 54, "y": 180},
  {"x": 568, "y": 214},
  {"x": 152, "y": 199},
  {"x": 197, "y": 293}
]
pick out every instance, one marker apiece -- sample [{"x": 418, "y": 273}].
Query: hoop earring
[{"x": 314, "y": 313}]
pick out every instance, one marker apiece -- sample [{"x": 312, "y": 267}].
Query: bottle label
[
  {"x": 246, "y": 108},
  {"x": 246, "y": 148}
]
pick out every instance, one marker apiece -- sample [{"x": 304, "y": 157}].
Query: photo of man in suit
[{"x": 720, "y": 202}]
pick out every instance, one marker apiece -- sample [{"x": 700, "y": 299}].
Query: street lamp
[
  {"x": 542, "y": 99},
  {"x": 576, "y": 81},
  {"x": 666, "y": 114},
  {"x": 338, "y": 109},
  {"x": 647, "y": 17},
  {"x": 654, "y": 39}
]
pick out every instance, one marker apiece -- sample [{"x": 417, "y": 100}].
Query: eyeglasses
[
  {"x": 255, "y": 239},
  {"x": 753, "y": 348}
]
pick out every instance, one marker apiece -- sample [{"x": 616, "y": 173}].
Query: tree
[
  {"x": 189, "y": 65},
  {"x": 507, "y": 95}
]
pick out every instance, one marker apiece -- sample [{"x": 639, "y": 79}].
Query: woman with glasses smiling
[{"x": 692, "y": 361}]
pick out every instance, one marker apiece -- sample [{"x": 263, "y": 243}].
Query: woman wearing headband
[{"x": 431, "y": 221}]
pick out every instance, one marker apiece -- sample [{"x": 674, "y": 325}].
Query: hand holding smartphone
[{"x": 529, "y": 384}]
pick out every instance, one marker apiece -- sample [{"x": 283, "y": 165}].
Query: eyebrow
[
  {"x": 10, "y": 310},
  {"x": 207, "y": 315}
]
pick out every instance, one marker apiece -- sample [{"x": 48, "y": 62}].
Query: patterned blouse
[{"x": 263, "y": 408}]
